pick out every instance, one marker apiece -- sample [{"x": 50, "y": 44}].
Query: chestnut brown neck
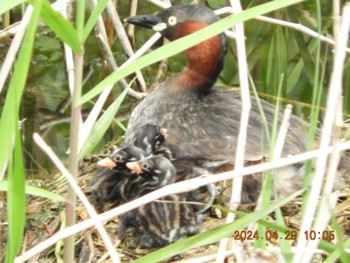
[{"x": 204, "y": 60}]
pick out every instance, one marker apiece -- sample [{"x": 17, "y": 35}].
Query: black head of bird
[
  {"x": 155, "y": 171},
  {"x": 111, "y": 175},
  {"x": 179, "y": 21},
  {"x": 149, "y": 138},
  {"x": 118, "y": 159}
]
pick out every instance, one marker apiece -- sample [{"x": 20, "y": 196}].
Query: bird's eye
[
  {"x": 118, "y": 158},
  {"x": 145, "y": 166},
  {"x": 172, "y": 20}
]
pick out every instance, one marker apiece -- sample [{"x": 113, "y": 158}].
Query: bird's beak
[
  {"x": 107, "y": 163},
  {"x": 134, "y": 166},
  {"x": 147, "y": 21}
]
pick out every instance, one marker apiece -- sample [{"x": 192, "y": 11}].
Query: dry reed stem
[
  {"x": 13, "y": 50},
  {"x": 298, "y": 27},
  {"x": 306, "y": 247},
  {"x": 131, "y": 27},
  {"x": 90, "y": 121},
  {"x": 281, "y": 137},
  {"x": 161, "y": 3},
  {"x": 107, "y": 52},
  {"x": 124, "y": 41},
  {"x": 277, "y": 151},
  {"x": 69, "y": 59},
  {"x": 111, "y": 63},
  {"x": 242, "y": 136},
  {"x": 89, "y": 208},
  {"x": 19, "y": 29},
  {"x": 176, "y": 188}
]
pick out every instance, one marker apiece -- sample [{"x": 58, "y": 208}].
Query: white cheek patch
[{"x": 159, "y": 27}]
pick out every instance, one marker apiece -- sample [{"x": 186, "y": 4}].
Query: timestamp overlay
[{"x": 242, "y": 235}]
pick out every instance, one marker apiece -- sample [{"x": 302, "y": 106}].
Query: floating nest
[{"x": 45, "y": 218}]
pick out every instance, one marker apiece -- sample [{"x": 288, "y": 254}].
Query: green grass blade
[
  {"x": 186, "y": 42},
  {"x": 16, "y": 200},
  {"x": 277, "y": 64},
  {"x": 101, "y": 5},
  {"x": 338, "y": 253},
  {"x": 294, "y": 72},
  {"x": 15, "y": 91},
  {"x": 9, "y": 131},
  {"x": 215, "y": 234},
  {"x": 102, "y": 125},
  {"x": 347, "y": 89},
  {"x": 36, "y": 191},
  {"x": 7, "y": 5},
  {"x": 58, "y": 24}
]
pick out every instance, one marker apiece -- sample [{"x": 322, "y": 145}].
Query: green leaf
[
  {"x": 58, "y": 24},
  {"x": 216, "y": 4},
  {"x": 9, "y": 130},
  {"x": 277, "y": 64},
  {"x": 101, "y": 5},
  {"x": 102, "y": 125},
  {"x": 16, "y": 200},
  {"x": 294, "y": 75},
  {"x": 15, "y": 91},
  {"x": 338, "y": 252},
  {"x": 7, "y": 5},
  {"x": 36, "y": 191},
  {"x": 186, "y": 42}
]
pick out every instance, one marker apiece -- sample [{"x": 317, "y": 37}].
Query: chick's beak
[
  {"x": 107, "y": 163},
  {"x": 134, "y": 166},
  {"x": 147, "y": 21}
]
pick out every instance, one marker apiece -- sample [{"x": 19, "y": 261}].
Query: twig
[
  {"x": 106, "y": 50},
  {"x": 131, "y": 27},
  {"x": 149, "y": 43},
  {"x": 176, "y": 188},
  {"x": 298, "y": 27},
  {"x": 161, "y": 3},
  {"x": 89, "y": 208},
  {"x": 108, "y": 55},
  {"x": 118, "y": 27}
]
